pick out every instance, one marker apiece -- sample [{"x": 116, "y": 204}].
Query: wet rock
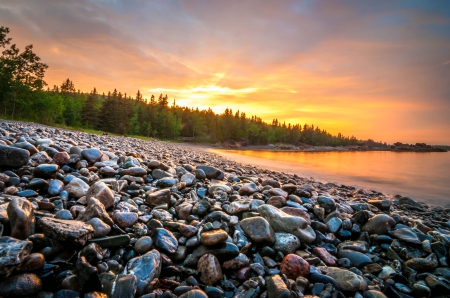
[
  {"x": 334, "y": 224},
  {"x": 61, "y": 158},
  {"x": 55, "y": 187},
  {"x": 286, "y": 243},
  {"x": 356, "y": 258},
  {"x": 223, "y": 251},
  {"x": 146, "y": 268},
  {"x": 158, "y": 197},
  {"x": 379, "y": 224},
  {"x": 94, "y": 209},
  {"x": 118, "y": 286},
  {"x": 259, "y": 230},
  {"x": 92, "y": 155},
  {"x": 294, "y": 266},
  {"x": 21, "y": 217},
  {"x": 74, "y": 231},
  {"x": 12, "y": 253},
  {"x": 22, "y": 285},
  {"x": 347, "y": 280},
  {"x": 112, "y": 241},
  {"x": 282, "y": 222},
  {"x": 77, "y": 188},
  {"x": 211, "y": 172},
  {"x": 209, "y": 268},
  {"x": 46, "y": 170},
  {"x": 165, "y": 240},
  {"x": 276, "y": 287},
  {"x": 101, "y": 192},
  {"x": 213, "y": 237},
  {"x": 297, "y": 212},
  {"x": 101, "y": 229},
  {"x": 423, "y": 264},
  {"x": 87, "y": 274},
  {"x": 125, "y": 219},
  {"x": 248, "y": 189},
  {"x": 196, "y": 293},
  {"x": 327, "y": 203},
  {"x": 13, "y": 157},
  {"x": 406, "y": 235},
  {"x": 324, "y": 255},
  {"x": 33, "y": 262},
  {"x": 143, "y": 245}
]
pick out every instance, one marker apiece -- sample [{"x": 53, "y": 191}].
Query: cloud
[{"x": 346, "y": 66}]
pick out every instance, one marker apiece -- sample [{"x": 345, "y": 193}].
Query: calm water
[{"x": 423, "y": 177}]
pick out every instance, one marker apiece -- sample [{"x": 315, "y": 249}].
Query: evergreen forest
[{"x": 24, "y": 95}]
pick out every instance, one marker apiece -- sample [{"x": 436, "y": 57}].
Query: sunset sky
[{"x": 378, "y": 69}]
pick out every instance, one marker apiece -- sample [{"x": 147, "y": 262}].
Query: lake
[{"x": 424, "y": 177}]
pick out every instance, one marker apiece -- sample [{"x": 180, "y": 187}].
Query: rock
[
  {"x": 383, "y": 205},
  {"x": 188, "y": 178},
  {"x": 158, "y": 197},
  {"x": 327, "y": 203},
  {"x": 13, "y": 157},
  {"x": 211, "y": 172},
  {"x": 223, "y": 251},
  {"x": 95, "y": 209},
  {"x": 324, "y": 255},
  {"x": 259, "y": 230},
  {"x": 146, "y": 268},
  {"x": 238, "y": 206},
  {"x": 276, "y": 288},
  {"x": 87, "y": 274},
  {"x": 12, "y": 253},
  {"x": 22, "y": 285},
  {"x": 196, "y": 293},
  {"x": 165, "y": 240},
  {"x": 61, "y": 158},
  {"x": 46, "y": 170},
  {"x": 125, "y": 219},
  {"x": 101, "y": 192},
  {"x": 374, "y": 294},
  {"x": 236, "y": 263},
  {"x": 379, "y": 224},
  {"x": 73, "y": 231},
  {"x": 420, "y": 289},
  {"x": 92, "y": 154},
  {"x": 55, "y": 187},
  {"x": 286, "y": 243},
  {"x": 297, "y": 212},
  {"x": 282, "y": 222},
  {"x": 33, "y": 262},
  {"x": 213, "y": 237},
  {"x": 112, "y": 241},
  {"x": 248, "y": 189},
  {"x": 143, "y": 245},
  {"x": 101, "y": 229},
  {"x": 407, "y": 235},
  {"x": 118, "y": 286},
  {"x": 294, "y": 266},
  {"x": 358, "y": 259},
  {"x": 21, "y": 218},
  {"x": 77, "y": 188},
  {"x": 347, "y": 280},
  {"x": 209, "y": 268},
  {"x": 423, "y": 264},
  {"x": 334, "y": 224}
]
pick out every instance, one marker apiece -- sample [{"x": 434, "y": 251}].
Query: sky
[{"x": 372, "y": 69}]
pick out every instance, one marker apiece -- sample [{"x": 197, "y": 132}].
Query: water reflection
[{"x": 422, "y": 176}]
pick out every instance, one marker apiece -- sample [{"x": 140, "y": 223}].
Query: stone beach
[{"x": 93, "y": 216}]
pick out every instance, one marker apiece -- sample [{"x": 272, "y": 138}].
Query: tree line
[{"x": 23, "y": 96}]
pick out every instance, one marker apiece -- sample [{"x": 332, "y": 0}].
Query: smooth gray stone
[
  {"x": 12, "y": 254},
  {"x": 146, "y": 268}
]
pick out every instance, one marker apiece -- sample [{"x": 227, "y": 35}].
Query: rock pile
[{"x": 99, "y": 216}]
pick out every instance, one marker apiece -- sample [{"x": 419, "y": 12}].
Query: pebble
[{"x": 90, "y": 216}]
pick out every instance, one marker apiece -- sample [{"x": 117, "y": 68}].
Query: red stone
[
  {"x": 61, "y": 158},
  {"x": 294, "y": 266},
  {"x": 324, "y": 255}
]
